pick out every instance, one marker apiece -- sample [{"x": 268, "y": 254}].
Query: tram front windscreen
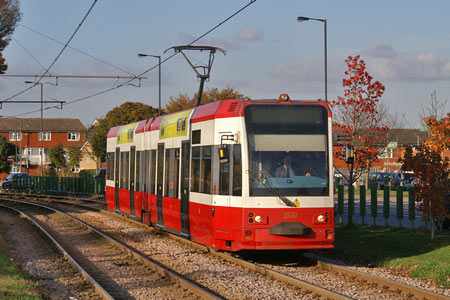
[{"x": 288, "y": 150}]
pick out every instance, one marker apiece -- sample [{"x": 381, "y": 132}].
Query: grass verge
[
  {"x": 410, "y": 252},
  {"x": 13, "y": 283}
]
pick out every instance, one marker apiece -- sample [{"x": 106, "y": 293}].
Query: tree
[
  {"x": 126, "y": 113},
  {"x": 439, "y": 131},
  {"x": 10, "y": 15},
  {"x": 74, "y": 157},
  {"x": 358, "y": 122},
  {"x": 431, "y": 169},
  {"x": 211, "y": 95},
  {"x": 6, "y": 149},
  {"x": 436, "y": 108},
  {"x": 179, "y": 103},
  {"x": 57, "y": 156}
]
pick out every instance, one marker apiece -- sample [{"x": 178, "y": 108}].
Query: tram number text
[{"x": 290, "y": 215}]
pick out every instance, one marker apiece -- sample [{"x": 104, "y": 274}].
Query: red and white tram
[{"x": 232, "y": 175}]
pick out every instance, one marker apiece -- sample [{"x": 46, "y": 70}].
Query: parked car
[
  {"x": 7, "y": 182},
  {"x": 101, "y": 173},
  {"x": 406, "y": 177},
  {"x": 382, "y": 179},
  {"x": 409, "y": 185}
]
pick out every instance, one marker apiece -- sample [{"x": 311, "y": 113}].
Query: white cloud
[
  {"x": 250, "y": 34},
  {"x": 306, "y": 76},
  {"x": 388, "y": 64},
  {"x": 380, "y": 50},
  {"x": 309, "y": 69}
]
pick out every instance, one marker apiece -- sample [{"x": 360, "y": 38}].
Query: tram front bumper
[{"x": 290, "y": 228}]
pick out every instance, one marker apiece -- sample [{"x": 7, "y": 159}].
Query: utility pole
[{"x": 42, "y": 120}]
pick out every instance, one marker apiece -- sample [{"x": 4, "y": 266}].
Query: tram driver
[{"x": 286, "y": 169}]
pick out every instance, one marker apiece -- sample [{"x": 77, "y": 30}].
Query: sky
[{"x": 406, "y": 45}]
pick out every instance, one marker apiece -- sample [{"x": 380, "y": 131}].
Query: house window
[
  {"x": 15, "y": 169},
  {"x": 34, "y": 151},
  {"x": 15, "y": 136},
  {"x": 73, "y": 136},
  {"x": 45, "y": 136},
  {"x": 385, "y": 153}
]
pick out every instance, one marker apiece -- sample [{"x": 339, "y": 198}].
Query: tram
[{"x": 232, "y": 175}]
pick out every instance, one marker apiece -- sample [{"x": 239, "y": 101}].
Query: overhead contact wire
[
  {"x": 148, "y": 70},
  {"x": 59, "y": 54}
]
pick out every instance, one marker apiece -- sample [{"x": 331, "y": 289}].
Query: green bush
[{"x": 87, "y": 173}]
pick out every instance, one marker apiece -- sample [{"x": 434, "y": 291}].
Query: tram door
[
  {"x": 132, "y": 169},
  {"x": 184, "y": 206},
  {"x": 159, "y": 185},
  {"x": 117, "y": 179}
]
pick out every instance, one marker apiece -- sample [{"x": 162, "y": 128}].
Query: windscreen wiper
[{"x": 270, "y": 188}]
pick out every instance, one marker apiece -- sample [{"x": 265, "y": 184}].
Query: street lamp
[
  {"x": 42, "y": 119},
  {"x": 303, "y": 19},
  {"x": 159, "y": 78}
]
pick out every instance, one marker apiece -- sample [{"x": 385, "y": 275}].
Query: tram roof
[{"x": 215, "y": 110}]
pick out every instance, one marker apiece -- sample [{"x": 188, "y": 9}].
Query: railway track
[
  {"x": 294, "y": 276},
  {"x": 115, "y": 270}
]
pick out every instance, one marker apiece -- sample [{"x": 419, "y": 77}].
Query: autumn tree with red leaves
[
  {"x": 431, "y": 169},
  {"x": 358, "y": 122}
]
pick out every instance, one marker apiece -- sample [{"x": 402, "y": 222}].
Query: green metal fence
[
  {"x": 76, "y": 185},
  {"x": 385, "y": 203}
]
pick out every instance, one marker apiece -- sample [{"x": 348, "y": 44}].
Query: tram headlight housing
[
  {"x": 320, "y": 218},
  {"x": 258, "y": 219}
]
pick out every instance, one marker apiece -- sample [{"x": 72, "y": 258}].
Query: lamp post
[
  {"x": 303, "y": 19},
  {"x": 159, "y": 78},
  {"x": 42, "y": 120}
]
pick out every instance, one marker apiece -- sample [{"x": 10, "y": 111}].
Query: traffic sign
[{"x": 10, "y": 159}]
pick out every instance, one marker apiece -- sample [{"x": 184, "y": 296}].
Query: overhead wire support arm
[
  {"x": 32, "y": 101},
  {"x": 139, "y": 78},
  {"x": 202, "y": 71},
  {"x": 73, "y": 76}
]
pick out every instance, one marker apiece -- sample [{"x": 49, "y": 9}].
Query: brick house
[
  {"x": 29, "y": 140},
  {"x": 398, "y": 140}
]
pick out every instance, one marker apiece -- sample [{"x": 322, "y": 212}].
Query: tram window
[
  {"x": 206, "y": 170},
  {"x": 176, "y": 175},
  {"x": 237, "y": 171},
  {"x": 224, "y": 178},
  {"x": 195, "y": 169},
  {"x": 110, "y": 166},
  {"x": 125, "y": 169},
  {"x": 196, "y": 136},
  {"x": 160, "y": 169},
  {"x": 138, "y": 170},
  {"x": 166, "y": 173},
  {"x": 146, "y": 177},
  {"x": 153, "y": 172}
]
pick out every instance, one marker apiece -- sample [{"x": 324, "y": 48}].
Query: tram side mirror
[{"x": 224, "y": 155}]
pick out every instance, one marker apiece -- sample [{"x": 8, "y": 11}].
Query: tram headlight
[
  {"x": 320, "y": 218},
  {"x": 258, "y": 219}
]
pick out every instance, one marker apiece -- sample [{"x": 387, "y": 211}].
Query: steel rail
[
  {"x": 194, "y": 287},
  {"x": 84, "y": 273},
  {"x": 418, "y": 292},
  {"x": 266, "y": 271},
  {"x": 52, "y": 196}
]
